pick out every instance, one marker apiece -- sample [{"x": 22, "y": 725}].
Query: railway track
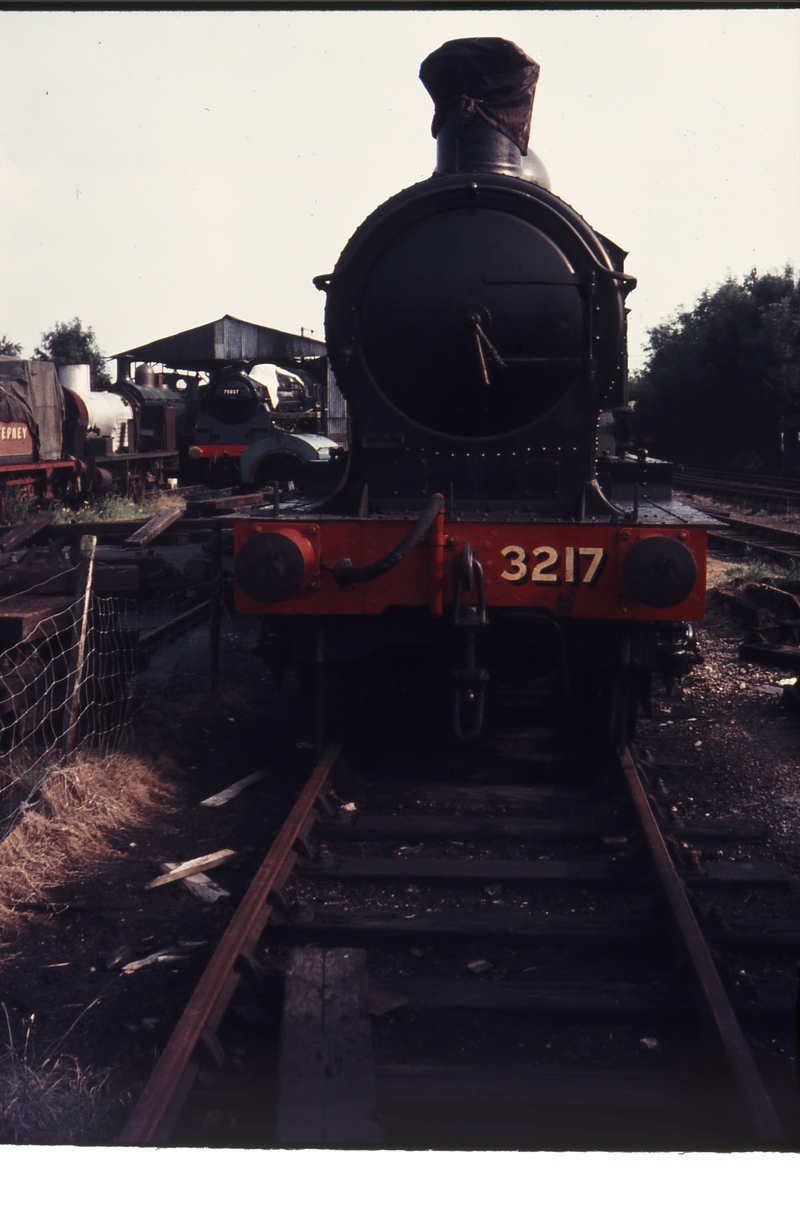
[
  {"x": 753, "y": 537},
  {"x": 740, "y": 485},
  {"x": 517, "y": 958}
]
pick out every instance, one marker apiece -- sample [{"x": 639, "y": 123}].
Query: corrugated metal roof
[{"x": 227, "y": 339}]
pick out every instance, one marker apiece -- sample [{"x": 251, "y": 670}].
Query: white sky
[{"x": 161, "y": 169}]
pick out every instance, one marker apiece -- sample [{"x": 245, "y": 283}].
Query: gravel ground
[
  {"x": 724, "y": 746},
  {"x": 726, "y": 723}
]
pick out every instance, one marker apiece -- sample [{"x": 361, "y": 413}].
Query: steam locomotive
[
  {"x": 258, "y": 425},
  {"x": 486, "y": 528},
  {"x": 60, "y": 438}
]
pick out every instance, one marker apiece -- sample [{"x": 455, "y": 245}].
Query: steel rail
[
  {"x": 731, "y": 485},
  {"x": 743, "y": 477},
  {"x": 737, "y": 1051},
  {"x": 736, "y": 543},
  {"x": 160, "y": 1102},
  {"x": 153, "y": 639},
  {"x": 740, "y": 534},
  {"x": 757, "y": 528},
  {"x": 767, "y": 478}
]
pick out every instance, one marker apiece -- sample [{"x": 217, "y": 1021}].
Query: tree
[
  {"x": 8, "y": 348},
  {"x": 720, "y": 379},
  {"x": 69, "y": 344}
]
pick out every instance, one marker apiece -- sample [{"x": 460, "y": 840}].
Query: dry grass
[
  {"x": 59, "y": 1103},
  {"x": 159, "y": 501},
  {"x": 760, "y": 569},
  {"x": 66, "y": 835},
  {"x": 80, "y": 809}
]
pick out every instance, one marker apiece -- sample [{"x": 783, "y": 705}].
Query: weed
[
  {"x": 112, "y": 508},
  {"x": 756, "y": 569},
  {"x": 52, "y": 1102},
  {"x": 760, "y": 569},
  {"x": 117, "y": 508},
  {"x": 15, "y": 503},
  {"x": 789, "y": 513}
]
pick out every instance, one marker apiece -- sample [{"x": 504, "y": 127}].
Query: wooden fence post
[
  {"x": 216, "y": 598},
  {"x": 81, "y": 611}
]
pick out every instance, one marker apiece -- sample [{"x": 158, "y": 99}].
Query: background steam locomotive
[
  {"x": 261, "y": 426},
  {"x": 64, "y": 439}
]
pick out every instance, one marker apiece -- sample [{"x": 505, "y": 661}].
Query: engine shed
[{"x": 249, "y": 390}]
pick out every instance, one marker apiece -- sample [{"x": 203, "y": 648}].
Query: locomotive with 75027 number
[{"x": 487, "y": 536}]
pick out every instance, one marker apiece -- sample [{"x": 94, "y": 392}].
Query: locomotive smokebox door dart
[{"x": 475, "y": 326}]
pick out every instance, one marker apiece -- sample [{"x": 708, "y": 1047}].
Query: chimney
[
  {"x": 483, "y": 90},
  {"x": 123, "y": 371},
  {"x": 76, "y": 377}
]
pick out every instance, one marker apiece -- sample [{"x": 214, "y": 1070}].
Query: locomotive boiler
[{"x": 475, "y": 323}]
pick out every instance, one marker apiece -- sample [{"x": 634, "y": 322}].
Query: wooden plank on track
[
  {"x": 376, "y": 869},
  {"x": 227, "y": 795},
  {"x": 350, "y": 1099},
  {"x": 430, "y": 791},
  {"x": 152, "y": 528},
  {"x": 719, "y": 829},
  {"x": 341, "y": 929},
  {"x": 198, "y": 864},
  {"x": 569, "y": 1088},
  {"x": 327, "y": 1079},
  {"x": 742, "y": 873},
  {"x": 582, "y": 999},
  {"x": 222, "y": 503},
  {"x": 332, "y": 928},
  {"x": 755, "y": 930},
  {"x": 301, "y": 1107},
  {"x": 17, "y": 534},
  {"x": 427, "y": 827}
]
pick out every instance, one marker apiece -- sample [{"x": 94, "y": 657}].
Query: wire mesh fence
[{"x": 74, "y": 680}]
